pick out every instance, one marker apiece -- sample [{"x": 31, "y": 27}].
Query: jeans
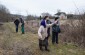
[{"x": 16, "y": 28}]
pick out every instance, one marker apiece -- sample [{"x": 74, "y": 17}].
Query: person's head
[
  {"x": 56, "y": 18},
  {"x": 16, "y": 19},
  {"x": 43, "y": 24},
  {"x": 46, "y": 18},
  {"x": 21, "y": 20}
]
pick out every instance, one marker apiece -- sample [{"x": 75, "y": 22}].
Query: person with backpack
[
  {"x": 55, "y": 31},
  {"x": 42, "y": 33},
  {"x": 22, "y": 25},
  {"x": 16, "y": 22},
  {"x": 21, "y": 20}
]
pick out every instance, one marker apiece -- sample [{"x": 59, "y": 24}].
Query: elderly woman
[{"x": 42, "y": 33}]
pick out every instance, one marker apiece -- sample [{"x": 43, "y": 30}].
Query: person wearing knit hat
[{"x": 42, "y": 33}]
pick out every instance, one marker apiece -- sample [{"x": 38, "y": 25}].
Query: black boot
[
  {"x": 41, "y": 48},
  {"x": 47, "y": 49},
  {"x": 40, "y": 45}
]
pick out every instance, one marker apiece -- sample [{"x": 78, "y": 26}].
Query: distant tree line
[{"x": 6, "y": 16}]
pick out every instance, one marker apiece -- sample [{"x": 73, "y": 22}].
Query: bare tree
[{"x": 4, "y": 14}]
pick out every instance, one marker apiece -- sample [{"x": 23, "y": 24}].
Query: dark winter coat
[{"x": 17, "y": 22}]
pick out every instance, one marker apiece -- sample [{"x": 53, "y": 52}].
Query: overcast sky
[{"x": 36, "y": 7}]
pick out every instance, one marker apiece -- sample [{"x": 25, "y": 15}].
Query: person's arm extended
[
  {"x": 39, "y": 32},
  {"x": 49, "y": 25},
  {"x": 58, "y": 23}
]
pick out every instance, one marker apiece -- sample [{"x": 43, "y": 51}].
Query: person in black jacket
[
  {"x": 48, "y": 29},
  {"x": 55, "y": 31},
  {"x": 16, "y": 22}
]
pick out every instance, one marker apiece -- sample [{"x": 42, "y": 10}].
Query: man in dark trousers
[
  {"x": 16, "y": 22},
  {"x": 48, "y": 29},
  {"x": 55, "y": 31}
]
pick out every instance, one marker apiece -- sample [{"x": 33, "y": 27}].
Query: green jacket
[{"x": 22, "y": 27}]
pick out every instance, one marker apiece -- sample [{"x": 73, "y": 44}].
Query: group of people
[
  {"x": 44, "y": 32},
  {"x": 17, "y": 22}
]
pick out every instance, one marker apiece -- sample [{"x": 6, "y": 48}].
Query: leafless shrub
[
  {"x": 4, "y": 14},
  {"x": 74, "y": 31},
  {"x": 32, "y": 26}
]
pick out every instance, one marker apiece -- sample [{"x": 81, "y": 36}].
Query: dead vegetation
[
  {"x": 74, "y": 31},
  {"x": 12, "y": 43}
]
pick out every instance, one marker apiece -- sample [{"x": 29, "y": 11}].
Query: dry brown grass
[{"x": 12, "y": 43}]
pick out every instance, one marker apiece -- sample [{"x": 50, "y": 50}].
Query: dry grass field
[{"x": 12, "y": 43}]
